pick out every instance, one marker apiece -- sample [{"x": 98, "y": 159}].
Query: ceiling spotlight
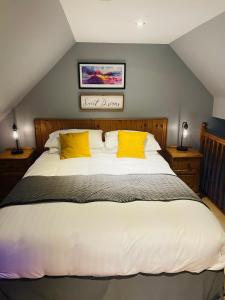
[{"x": 140, "y": 23}]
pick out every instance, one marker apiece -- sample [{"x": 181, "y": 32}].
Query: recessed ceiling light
[{"x": 140, "y": 23}]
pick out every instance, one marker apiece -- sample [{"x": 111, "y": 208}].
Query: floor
[{"x": 220, "y": 216}]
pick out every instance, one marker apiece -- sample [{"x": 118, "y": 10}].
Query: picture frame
[
  {"x": 101, "y": 75},
  {"x": 102, "y": 102}
]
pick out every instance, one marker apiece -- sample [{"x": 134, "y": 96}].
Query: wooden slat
[
  {"x": 157, "y": 126},
  {"x": 213, "y": 168},
  {"x": 221, "y": 179}
]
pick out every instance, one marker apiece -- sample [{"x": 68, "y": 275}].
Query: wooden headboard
[{"x": 43, "y": 127}]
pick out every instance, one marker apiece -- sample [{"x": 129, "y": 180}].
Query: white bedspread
[{"x": 107, "y": 238}]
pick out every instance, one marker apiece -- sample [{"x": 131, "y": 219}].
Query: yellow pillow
[
  {"x": 131, "y": 144},
  {"x": 74, "y": 145}
]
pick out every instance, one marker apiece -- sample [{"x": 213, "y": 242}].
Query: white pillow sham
[
  {"x": 111, "y": 142},
  {"x": 95, "y": 139}
]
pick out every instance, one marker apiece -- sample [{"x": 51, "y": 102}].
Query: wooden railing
[{"x": 213, "y": 167}]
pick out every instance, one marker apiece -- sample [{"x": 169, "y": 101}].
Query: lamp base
[
  {"x": 16, "y": 151},
  {"x": 182, "y": 148}
]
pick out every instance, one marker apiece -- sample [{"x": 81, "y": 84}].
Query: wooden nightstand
[
  {"x": 186, "y": 164},
  {"x": 12, "y": 168}
]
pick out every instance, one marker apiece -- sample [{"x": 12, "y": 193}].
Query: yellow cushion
[
  {"x": 131, "y": 144},
  {"x": 74, "y": 145}
]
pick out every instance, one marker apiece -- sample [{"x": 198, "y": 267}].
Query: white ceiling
[
  {"x": 113, "y": 21},
  {"x": 34, "y": 35}
]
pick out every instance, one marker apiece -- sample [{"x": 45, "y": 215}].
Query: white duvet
[{"x": 107, "y": 238}]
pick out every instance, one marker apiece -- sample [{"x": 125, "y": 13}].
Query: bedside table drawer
[
  {"x": 13, "y": 167},
  {"x": 7, "y": 183},
  {"x": 191, "y": 180},
  {"x": 186, "y": 165}
]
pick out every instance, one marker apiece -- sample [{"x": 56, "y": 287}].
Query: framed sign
[
  {"x": 106, "y": 102},
  {"x": 101, "y": 75}
]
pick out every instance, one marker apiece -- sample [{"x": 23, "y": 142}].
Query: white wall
[{"x": 219, "y": 107}]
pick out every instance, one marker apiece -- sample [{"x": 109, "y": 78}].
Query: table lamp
[
  {"x": 184, "y": 133},
  {"x": 16, "y": 150}
]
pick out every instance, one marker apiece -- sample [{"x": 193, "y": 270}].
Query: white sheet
[
  {"x": 99, "y": 163},
  {"x": 107, "y": 239}
]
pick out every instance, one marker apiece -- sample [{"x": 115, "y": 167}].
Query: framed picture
[
  {"x": 101, "y": 75},
  {"x": 102, "y": 102}
]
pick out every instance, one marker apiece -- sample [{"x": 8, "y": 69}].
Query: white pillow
[
  {"x": 111, "y": 142},
  {"x": 95, "y": 139},
  {"x": 53, "y": 150},
  {"x": 93, "y": 151}
]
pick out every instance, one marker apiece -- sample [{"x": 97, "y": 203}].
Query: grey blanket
[{"x": 83, "y": 189}]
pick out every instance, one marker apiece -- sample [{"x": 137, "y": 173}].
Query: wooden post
[{"x": 204, "y": 128}]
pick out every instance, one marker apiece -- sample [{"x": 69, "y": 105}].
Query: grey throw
[{"x": 84, "y": 189}]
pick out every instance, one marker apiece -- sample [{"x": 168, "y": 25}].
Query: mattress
[{"x": 106, "y": 238}]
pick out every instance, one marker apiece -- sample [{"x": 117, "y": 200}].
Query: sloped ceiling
[
  {"x": 113, "y": 21},
  {"x": 34, "y": 35},
  {"x": 203, "y": 52}
]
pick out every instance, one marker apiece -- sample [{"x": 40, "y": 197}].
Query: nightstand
[
  {"x": 186, "y": 164},
  {"x": 13, "y": 167}
]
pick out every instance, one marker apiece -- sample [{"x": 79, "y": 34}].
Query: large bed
[{"x": 104, "y": 228}]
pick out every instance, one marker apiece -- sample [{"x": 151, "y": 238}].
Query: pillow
[
  {"x": 53, "y": 150},
  {"x": 111, "y": 141},
  {"x": 131, "y": 144},
  {"x": 95, "y": 138},
  {"x": 93, "y": 151},
  {"x": 74, "y": 145}
]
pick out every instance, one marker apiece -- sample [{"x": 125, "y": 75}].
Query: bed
[{"x": 121, "y": 247}]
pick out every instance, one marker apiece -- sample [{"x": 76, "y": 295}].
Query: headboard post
[
  {"x": 156, "y": 126},
  {"x": 204, "y": 128},
  {"x": 38, "y": 136}
]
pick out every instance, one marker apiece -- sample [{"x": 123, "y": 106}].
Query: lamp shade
[{"x": 184, "y": 133}]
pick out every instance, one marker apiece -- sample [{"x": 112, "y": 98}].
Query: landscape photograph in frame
[{"x": 101, "y": 75}]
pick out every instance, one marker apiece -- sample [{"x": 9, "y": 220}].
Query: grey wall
[
  {"x": 158, "y": 85},
  {"x": 6, "y": 139},
  {"x": 202, "y": 49},
  {"x": 34, "y": 36}
]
